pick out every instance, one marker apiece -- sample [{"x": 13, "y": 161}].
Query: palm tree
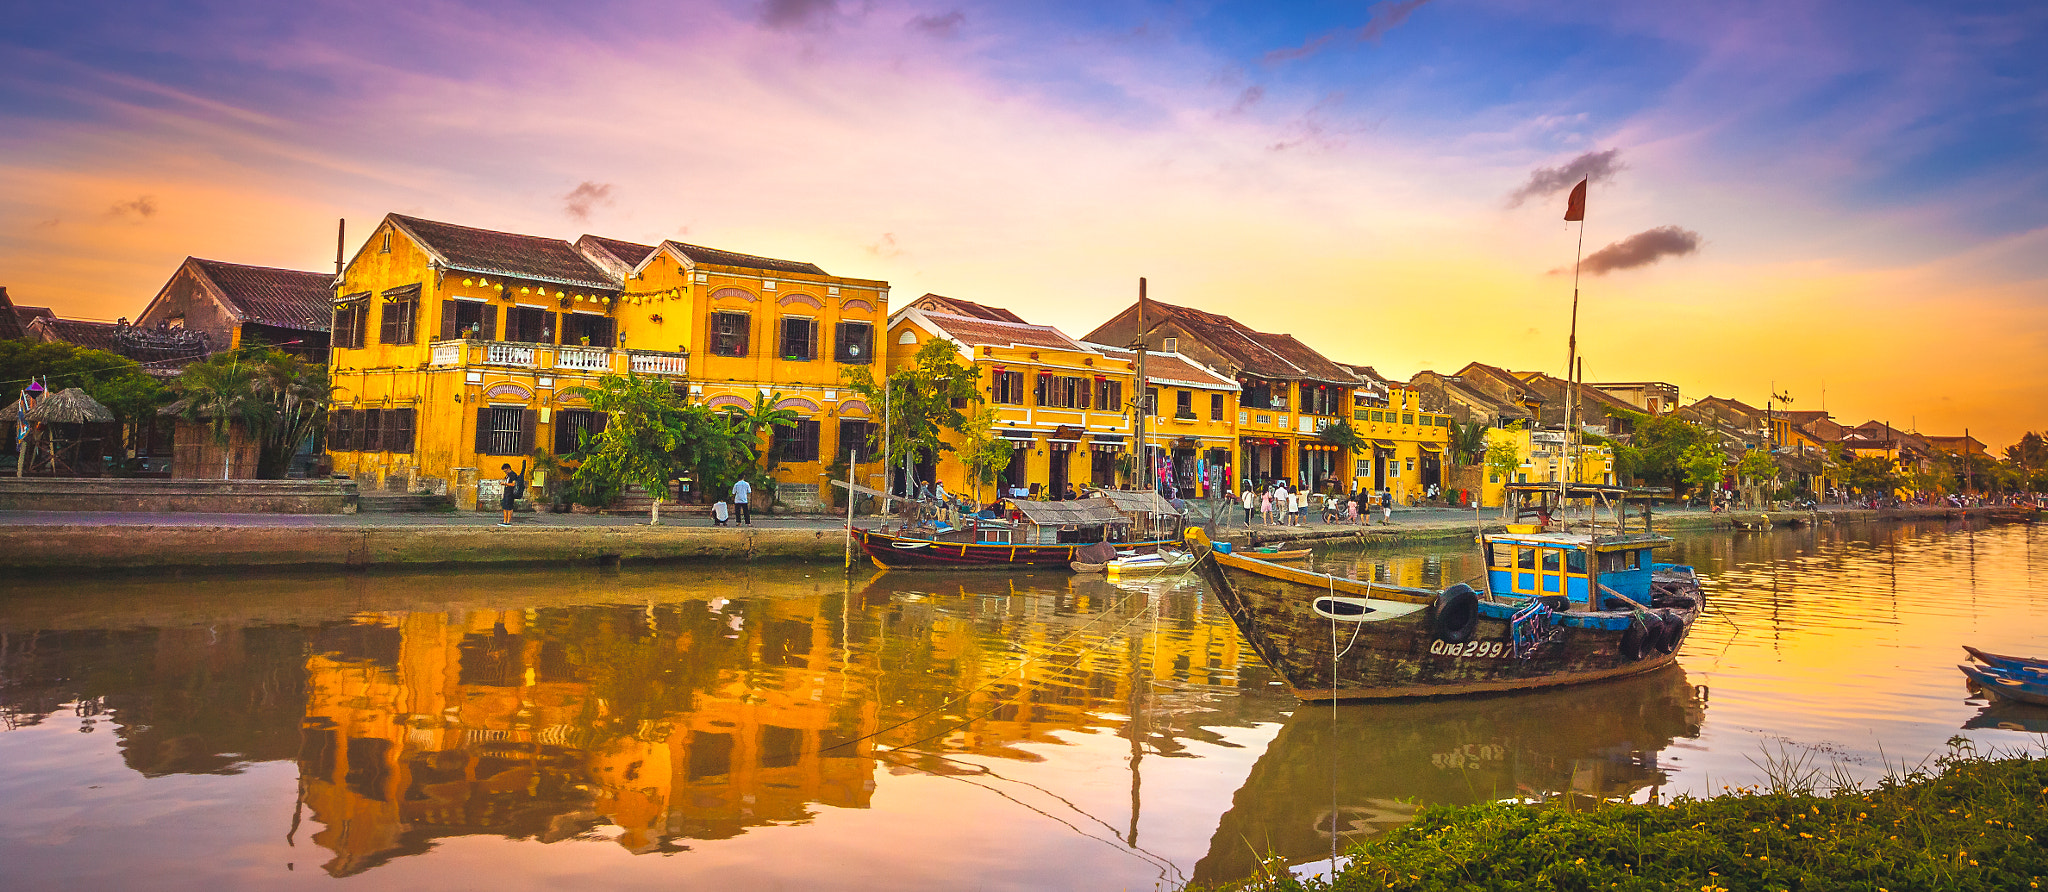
[
  {"x": 1468, "y": 443},
  {"x": 220, "y": 393},
  {"x": 297, "y": 394}
]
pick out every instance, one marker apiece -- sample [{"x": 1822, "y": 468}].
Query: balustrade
[
  {"x": 448, "y": 353},
  {"x": 586, "y": 359},
  {"x": 659, "y": 363},
  {"x": 501, "y": 353}
]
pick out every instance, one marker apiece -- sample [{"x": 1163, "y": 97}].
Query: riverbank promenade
[{"x": 64, "y": 542}]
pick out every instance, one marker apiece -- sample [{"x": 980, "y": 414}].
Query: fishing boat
[
  {"x": 2003, "y": 661},
  {"x": 1163, "y": 562},
  {"x": 1028, "y": 535},
  {"x": 2019, "y": 685},
  {"x": 1558, "y": 607}
]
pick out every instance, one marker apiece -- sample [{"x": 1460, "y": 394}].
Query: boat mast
[{"x": 1141, "y": 399}]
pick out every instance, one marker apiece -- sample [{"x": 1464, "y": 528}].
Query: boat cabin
[
  {"x": 1065, "y": 523},
  {"x": 1589, "y": 569}
]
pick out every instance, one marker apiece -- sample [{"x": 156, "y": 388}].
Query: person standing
[
  {"x": 1293, "y": 506},
  {"x": 1266, "y": 507},
  {"x": 1250, "y": 499},
  {"x": 741, "y": 492},
  {"x": 511, "y": 488}
]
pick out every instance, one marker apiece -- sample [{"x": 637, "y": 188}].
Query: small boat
[
  {"x": 2003, "y": 661},
  {"x": 1030, "y": 535},
  {"x": 2017, "y": 685},
  {"x": 1163, "y": 562},
  {"x": 1278, "y": 554},
  {"x": 1560, "y": 608}
]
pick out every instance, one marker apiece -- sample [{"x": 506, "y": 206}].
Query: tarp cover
[
  {"x": 1136, "y": 503},
  {"x": 1085, "y": 512}
]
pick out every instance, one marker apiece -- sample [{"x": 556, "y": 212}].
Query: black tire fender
[
  {"x": 1635, "y": 639},
  {"x": 1673, "y": 630},
  {"x": 1455, "y": 616}
]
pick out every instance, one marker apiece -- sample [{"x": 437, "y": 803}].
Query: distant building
[
  {"x": 234, "y": 305},
  {"x": 1649, "y": 397}
]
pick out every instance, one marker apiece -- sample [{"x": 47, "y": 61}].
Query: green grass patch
[{"x": 1969, "y": 823}]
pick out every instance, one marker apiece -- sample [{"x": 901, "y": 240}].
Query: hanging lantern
[
  {"x": 465, "y": 283},
  {"x": 483, "y": 283},
  {"x": 525, "y": 290}
]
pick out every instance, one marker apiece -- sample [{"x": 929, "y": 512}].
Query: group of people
[{"x": 1280, "y": 504}]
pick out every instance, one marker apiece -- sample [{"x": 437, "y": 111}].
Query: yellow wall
[{"x": 1413, "y": 432}]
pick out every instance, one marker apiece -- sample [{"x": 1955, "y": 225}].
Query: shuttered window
[
  {"x": 468, "y": 319},
  {"x": 502, "y": 430},
  {"x": 398, "y": 430},
  {"x": 854, "y": 343},
  {"x": 853, "y": 437},
  {"x": 588, "y": 329},
  {"x": 798, "y": 442},
  {"x": 530, "y": 325},
  {"x": 571, "y": 425},
  {"x": 1007, "y": 388},
  {"x": 369, "y": 430},
  {"x": 349, "y": 321},
  {"x": 799, "y": 339},
  {"x": 729, "y": 333},
  {"x": 398, "y": 316}
]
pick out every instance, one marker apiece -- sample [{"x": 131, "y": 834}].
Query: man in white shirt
[{"x": 741, "y": 491}]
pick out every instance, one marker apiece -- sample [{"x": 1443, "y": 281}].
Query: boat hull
[
  {"x": 900, "y": 553},
  {"x": 1408, "y": 656}
]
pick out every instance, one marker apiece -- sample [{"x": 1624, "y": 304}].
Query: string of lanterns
[{"x": 630, "y": 297}]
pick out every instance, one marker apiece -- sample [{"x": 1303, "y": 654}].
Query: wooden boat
[
  {"x": 2017, "y": 686},
  {"x": 1162, "y": 562},
  {"x": 1032, "y": 535},
  {"x": 2003, "y": 661},
  {"x": 1562, "y": 608}
]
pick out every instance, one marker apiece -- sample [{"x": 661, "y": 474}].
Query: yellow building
[
  {"x": 1064, "y": 405},
  {"x": 457, "y": 350},
  {"x": 1409, "y": 447},
  {"x": 1544, "y": 459}
]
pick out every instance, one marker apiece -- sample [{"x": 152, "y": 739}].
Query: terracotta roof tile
[
  {"x": 628, "y": 253},
  {"x": 10, "y": 319},
  {"x": 530, "y": 257},
  {"x": 159, "y": 353},
  {"x": 1259, "y": 353},
  {"x": 281, "y": 298},
  {"x": 978, "y": 332},
  {"x": 702, "y": 255},
  {"x": 940, "y": 303}
]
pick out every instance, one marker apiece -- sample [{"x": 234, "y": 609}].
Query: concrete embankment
[{"x": 51, "y": 548}]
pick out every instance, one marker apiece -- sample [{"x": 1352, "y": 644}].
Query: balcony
[{"x": 565, "y": 358}]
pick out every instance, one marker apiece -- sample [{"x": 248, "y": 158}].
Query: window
[
  {"x": 349, "y": 321},
  {"x": 1255, "y": 394},
  {"x": 1152, "y": 401},
  {"x": 853, "y": 438},
  {"x": 798, "y": 442},
  {"x": 1215, "y": 407},
  {"x": 729, "y": 333},
  {"x": 1006, "y": 388},
  {"x": 1060, "y": 392},
  {"x": 338, "y": 431},
  {"x": 1525, "y": 558},
  {"x": 1320, "y": 399},
  {"x": 854, "y": 343},
  {"x": 1184, "y": 405},
  {"x": 1169, "y": 345},
  {"x": 799, "y": 339},
  {"x": 468, "y": 319},
  {"x": 531, "y": 325},
  {"x": 1575, "y": 562},
  {"x": 399, "y": 320},
  {"x": 504, "y": 430},
  {"x": 369, "y": 430},
  {"x": 398, "y": 430},
  {"x": 1407, "y": 418},
  {"x": 1549, "y": 560},
  {"x": 589, "y": 329},
  {"x": 385, "y": 248},
  {"x": 1109, "y": 395},
  {"x": 571, "y": 425}
]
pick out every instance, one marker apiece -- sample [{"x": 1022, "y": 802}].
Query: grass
[{"x": 1969, "y": 822}]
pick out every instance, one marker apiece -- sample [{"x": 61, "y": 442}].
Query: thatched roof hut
[{"x": 68, "y": 406}]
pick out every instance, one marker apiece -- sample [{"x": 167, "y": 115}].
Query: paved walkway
[{"x": 381, "y": 521}]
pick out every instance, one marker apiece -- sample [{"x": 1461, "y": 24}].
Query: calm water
[{"x": 764, "y": 728}]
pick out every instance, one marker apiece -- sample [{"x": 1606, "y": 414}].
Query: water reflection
[{"x": 1369, "y": 765}]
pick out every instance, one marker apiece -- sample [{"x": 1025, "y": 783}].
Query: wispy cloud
[
  {"x": 1386, "y": 16},
  {"x": 787, "y": 15},
  {"x": 944, "y": 27},
  {"x": 1595, "y": 166},
  {"x": 1642, "y": 249},
  {"x": 586, "y": 197},
  {"x": 140, "y": 206}
]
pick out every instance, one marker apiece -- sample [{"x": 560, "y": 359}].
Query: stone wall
[{"x": 198, "y": 496}]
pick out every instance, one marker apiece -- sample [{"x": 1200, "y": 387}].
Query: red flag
[{"x": 1575, "y": 207}]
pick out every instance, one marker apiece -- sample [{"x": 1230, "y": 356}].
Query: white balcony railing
[
  {"x": 659, "y": 363},
  {"x": 448, "y": 353},
  {"x": 500, "y": 353},
  {"x": 586, "y": 359}
]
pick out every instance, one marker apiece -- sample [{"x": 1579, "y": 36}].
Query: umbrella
[{"x": 70, "y": 406}]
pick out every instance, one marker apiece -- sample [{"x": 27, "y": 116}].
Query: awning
[
  {"x": 1437, "y": 448},
  {"x": 1107, "y": 438},
  {"x": 1016, "y": 436},
  {"x": 402, "y": 292},
  {"x": 1383, "y": 444},
  {"x": 1065, "y": 433},
  {"x": 352, "y": 298}
]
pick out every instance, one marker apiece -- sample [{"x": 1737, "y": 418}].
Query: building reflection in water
[
  {"x": 1375, "y": 761},
  {"x": 699, "y": 719}
]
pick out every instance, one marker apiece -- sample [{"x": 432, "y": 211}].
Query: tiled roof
[
  {"x": 10, "y": 320},
  {"x": 1259, "y": 353},
  {"x": 529, "y": 257},
  {"x": 282, "y": 298},
  {"x": 978, "y": 332},
  {"x": 701, "y": 255},
  {"x": 1172, "y": 368},
  {"x": 628, "y": 253},
  {"x": 134, "y": 343},
  {"x": 940, "y": 303}
]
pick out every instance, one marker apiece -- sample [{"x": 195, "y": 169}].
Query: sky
[{"x": 1846, "y": 203}]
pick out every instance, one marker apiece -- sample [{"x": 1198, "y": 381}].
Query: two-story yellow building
[
  {"x": 457, "y": 350},
  {"x": 1409, "y": 447},
  {"x": 1066, "y": 406}
]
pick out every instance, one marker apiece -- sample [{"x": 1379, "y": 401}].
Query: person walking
[
  {"x": 741, "y": 492},
  {"x": 1386, "y": 506},
  {"x": 512, "y": 485},
  {"x": 1250, "y": 499},
  {"x": 1293, "y": 507},
  {"x": 1266, "y": 507}
]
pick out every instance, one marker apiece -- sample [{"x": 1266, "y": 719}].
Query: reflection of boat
[
  {"x": 1280, "y": 554},
  {"x": 1378, "y": 762},
  {"x": 1563, "y": 608},
  {"x": 1164, "y": 562},
  {"x": 1038, "y": 534},
  {"x": 2009, "y": 716},
  {"x": 2021, "y": 685}
]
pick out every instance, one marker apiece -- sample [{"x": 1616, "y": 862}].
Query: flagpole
[{"x": 1574, "y": 208}]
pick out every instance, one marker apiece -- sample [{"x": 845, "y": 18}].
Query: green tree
[
  {"x": 1503, "y": 454},
  {"x": 762, "y": 418},
  {"x": 642, "y": 436},
  {"x": 2030, "y": 453},
  {"x": 984, "y": 453},
  {"x": 277, "y": 399},
  {"x": 1702, "y": 464},
  {"x": 925, "y": 396},
  {"x": 1658, "y": 450},
  {"x": 1872, "y": 475},
  {"x": 1342, "y": 435},
  {"x": 1468, "y": 443}
]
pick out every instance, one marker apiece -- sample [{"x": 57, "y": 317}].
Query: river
[{"x": 780, "y": 727}]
